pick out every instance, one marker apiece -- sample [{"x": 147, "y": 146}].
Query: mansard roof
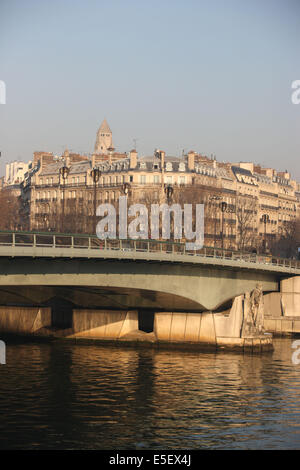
[{"x": 75, "y": 168}]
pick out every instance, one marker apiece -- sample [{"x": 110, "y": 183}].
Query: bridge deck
[{"x": 25, "y": 244}]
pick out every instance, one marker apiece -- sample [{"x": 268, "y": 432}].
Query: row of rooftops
[{"x": 46, "y": 164}]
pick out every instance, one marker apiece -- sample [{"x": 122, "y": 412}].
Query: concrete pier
[
  {"x": 24, "y": 320},
  {"x": 222, "y": 330},
  {"x": 282, "y": 309},
  {"x": 103, "y": 324},
  {"x": 232, "y": 329}
]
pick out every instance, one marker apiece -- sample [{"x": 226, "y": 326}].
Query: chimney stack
[
  {"x": 133, "y": 159},
  {"x": 191, "y": 160}
]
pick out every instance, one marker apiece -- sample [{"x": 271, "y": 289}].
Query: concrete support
[
  {"x": 282, "y": 309},
  {"x": 217, "y": 330},
  {"x": 103, "y": 324},
  {"x": 24, "y": 320}
]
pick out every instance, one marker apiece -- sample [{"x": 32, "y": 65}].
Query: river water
[{"x": 61, "y": 395}]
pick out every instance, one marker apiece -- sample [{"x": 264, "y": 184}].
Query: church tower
[{"x": 104, "y": 139}]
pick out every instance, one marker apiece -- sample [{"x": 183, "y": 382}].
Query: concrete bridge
[
  {"x": 130, "y": 274},
  {"x": 85, "y": 272}
]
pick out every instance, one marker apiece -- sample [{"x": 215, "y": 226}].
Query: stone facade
[{"x": 259, "y": 204}]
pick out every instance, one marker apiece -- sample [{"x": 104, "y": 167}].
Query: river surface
[{"x": 61, "y": 395}]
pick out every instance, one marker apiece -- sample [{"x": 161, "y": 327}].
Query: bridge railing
[{"x": 88, "y": 242}]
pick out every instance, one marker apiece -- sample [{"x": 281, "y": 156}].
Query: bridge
[
  {"x": 78, "y": 286},
  {"x": 130, "y": 273}
]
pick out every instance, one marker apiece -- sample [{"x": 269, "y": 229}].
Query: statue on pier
[{"x": 253, "y": 312}]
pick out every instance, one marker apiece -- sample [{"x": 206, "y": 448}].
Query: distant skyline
[{"x": 210, "y": 76}]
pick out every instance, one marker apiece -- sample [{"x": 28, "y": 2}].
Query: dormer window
[
  {"x": 169, "y": 166},
  {"x": 143, "y": 165},
  {"x": 181, "y": 166}
]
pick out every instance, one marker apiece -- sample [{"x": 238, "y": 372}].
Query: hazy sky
[{"x": 211, "y": 76}]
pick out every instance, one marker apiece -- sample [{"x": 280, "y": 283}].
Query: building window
[
  {"x": 142, "y": 179},
  {"x": 156, "y": 179}
]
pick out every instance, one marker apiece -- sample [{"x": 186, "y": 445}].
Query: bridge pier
[
  {"x": 223, "y": 330},
  {"x": 230, "y": 329},
  {"x": 282, "y": 309},
  {"x": 103, "y": 324},
  {"x": 24, "y": 320}
]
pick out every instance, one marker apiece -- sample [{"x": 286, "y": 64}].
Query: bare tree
[
  {"x": 287, "y": 243},
  {"x": 246, "y": 211},
  {"x": 10, "y": 210}
]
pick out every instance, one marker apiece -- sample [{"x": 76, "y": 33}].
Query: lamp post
[
  {"x": 64, "y": 171},
  {"x": 223, "y": 207},
  {"x": 95, "y": 174},
  {"x": 168, "y": 189},
  {"x": 215, "y": 198},
  {"x": 265, "y": 219},
  {"x": 126, "y": 188}
]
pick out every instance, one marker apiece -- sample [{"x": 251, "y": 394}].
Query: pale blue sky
[{"x": 213, "y": 76}]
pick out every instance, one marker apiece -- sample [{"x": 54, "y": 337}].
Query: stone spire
[{"x": 104, "y": 138}]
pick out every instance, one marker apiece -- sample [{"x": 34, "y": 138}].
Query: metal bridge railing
[{"x": 89, "y": 242}]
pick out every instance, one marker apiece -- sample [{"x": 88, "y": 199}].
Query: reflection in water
[{"x": 62, "y": 395}]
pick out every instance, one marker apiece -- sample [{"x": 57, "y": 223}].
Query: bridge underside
[
  {"x": 126, "y": 284},
  {"x": 96, "y": 297}
]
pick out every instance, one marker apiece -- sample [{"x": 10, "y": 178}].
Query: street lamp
[
  {"x": 215, "y": 198},
  {"x": 223, "y": 207},
  {"x": 126, "y": 188},
  {"x": 64, "y": 171},
  {"x": 95, "y": 174},
  {"x": 265, "y": 219},
  {"x": 168, "y": 191}
]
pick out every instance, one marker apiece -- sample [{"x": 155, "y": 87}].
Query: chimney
[
  {"x": 133, "y": 159},
  {"x": 191, "y": 160}
]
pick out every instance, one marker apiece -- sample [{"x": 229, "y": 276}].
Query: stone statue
[
  {"x": 253, "y": 312},
  {"x": 256, "y": 306}
]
